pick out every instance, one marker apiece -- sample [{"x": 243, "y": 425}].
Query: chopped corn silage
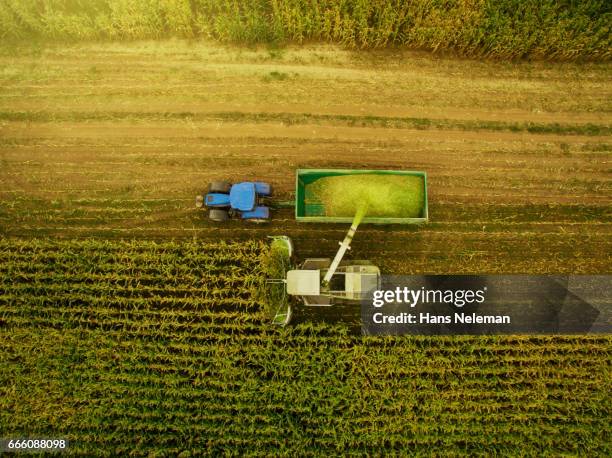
[{"x": 392, "y": 196}]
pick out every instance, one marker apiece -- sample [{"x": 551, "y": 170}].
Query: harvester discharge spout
[{"x": 345, "y": 244}]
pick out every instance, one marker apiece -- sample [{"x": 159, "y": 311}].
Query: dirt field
[{"x": 115, "y": 140}]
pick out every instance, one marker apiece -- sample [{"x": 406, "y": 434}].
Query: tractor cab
[{"x": 243, "y": 200}]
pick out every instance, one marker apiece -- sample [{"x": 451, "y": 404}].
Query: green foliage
[
  {"x": 276, "y": 76},
  {"x": 93, "y": 19},
  {"x": 274, "y": 263},
  {"x": 496, "y": 28}
]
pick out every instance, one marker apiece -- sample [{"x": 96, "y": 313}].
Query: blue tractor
[{"x": 244, "y": 200}]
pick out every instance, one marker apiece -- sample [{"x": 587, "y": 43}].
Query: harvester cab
[
  {"x": 246, "y": 200},
  {"x": 351, "y": 282}
]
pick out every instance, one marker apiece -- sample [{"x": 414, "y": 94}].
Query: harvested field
[{"x": 115, "y": 141}]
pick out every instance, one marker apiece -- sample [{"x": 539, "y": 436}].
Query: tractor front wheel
[
  {"x": 218, "y": 215},
  {"x": 222, "y": 187}
]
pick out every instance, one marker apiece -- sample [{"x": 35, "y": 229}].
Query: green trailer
[{"x": 334, "y": 195}]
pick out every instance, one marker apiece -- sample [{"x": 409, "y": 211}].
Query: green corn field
[
  {"x": 494, "y": 28},
  {"x": 158, "y": 349}
]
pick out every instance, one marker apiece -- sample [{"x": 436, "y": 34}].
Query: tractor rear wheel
[
  {"x": 222, "y": 187},
  {"x": 218, "y": 215}
]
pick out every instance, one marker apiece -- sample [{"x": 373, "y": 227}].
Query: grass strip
[{"x": 588, "y": 129}]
